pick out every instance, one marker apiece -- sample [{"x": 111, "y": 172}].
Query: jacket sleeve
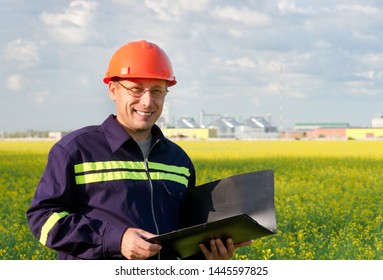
[{"x": 54, "y": 221}]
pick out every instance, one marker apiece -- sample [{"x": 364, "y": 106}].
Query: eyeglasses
[{"x": 139, "y": 92}]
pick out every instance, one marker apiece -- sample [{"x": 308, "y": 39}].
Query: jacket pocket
[
  {"x": 175, "y": 191},
  {"x": 169, "y": 204}
]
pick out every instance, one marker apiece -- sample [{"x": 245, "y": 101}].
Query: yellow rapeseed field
[
  {"x": 328, "y": 195},
  {"x": 250, "y": 149}
]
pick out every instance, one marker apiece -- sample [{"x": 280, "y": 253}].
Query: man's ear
[{"x": 112, "y": 90}]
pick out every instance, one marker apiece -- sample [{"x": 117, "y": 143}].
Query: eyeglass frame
[{"x": 142, "y": 91}]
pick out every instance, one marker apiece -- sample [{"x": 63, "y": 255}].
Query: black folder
[{"x": 240, "y": 207}]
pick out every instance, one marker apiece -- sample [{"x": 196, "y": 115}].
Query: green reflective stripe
[
  {"x": 103, "y": 171},
  {"x": 52, "y": 220},
  {"x": 121, "y": 175},
  {"x": 110, "y": 165},
  {"x": 110, "y": 176},
  {"x": 103, "y": 165},
  {"x": 170, "y": 177},
  {"x": 170, "y": 168}
]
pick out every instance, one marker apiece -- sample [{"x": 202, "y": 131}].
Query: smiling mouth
[{"x": 144, "y": 113}]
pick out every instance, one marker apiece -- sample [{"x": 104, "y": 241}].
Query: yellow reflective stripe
[
  {"x": 110, "y": 176},
  {"x": 110, "y": 165},
  {"x": 170, "y": 168},
  {"x": 102, "y": 165},
  {"x": 170, "y": 177},
  {"x": 52, "y": 220},
  {"x": 103, "y": 171},
  {"x": 121, "y": 175}
]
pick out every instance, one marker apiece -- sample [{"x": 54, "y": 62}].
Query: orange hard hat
[{"x": 140, "y": 59}]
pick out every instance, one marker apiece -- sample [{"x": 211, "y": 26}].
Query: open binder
[{"x": 240, "y": 207}]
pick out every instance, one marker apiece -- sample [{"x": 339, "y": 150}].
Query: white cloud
[
  {"x": 24, "y": 53},
  {"x": 40, "y": 97},
  {"x": 73, "y": 24},
  {"x": 322, "y": 44},
  {"x": 289, "y": 6},
  {"x": 243, "y": 62},
  {"x": 170, "y": 10},
  {"x": 372, "y": 59},
  {"x": 14, "y": 82},
  {"x": 232, "y": 64},
  {"x": 243, "y": 16},
  {"x": 362, "y": 88},
  {"x": 289, "y": 86},
  {"x": 358, "y": 9},
  {"x": 365, "y": 37},
  {"x": 236, "y": 33},
  {"x": 370, "y": 75},
  {"x": 367, "y": 75}
]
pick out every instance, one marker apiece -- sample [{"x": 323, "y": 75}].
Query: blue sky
[{"x": 293, "y": 60}]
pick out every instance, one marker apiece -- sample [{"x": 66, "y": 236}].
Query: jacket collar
[{"x": 117, "y": 136}]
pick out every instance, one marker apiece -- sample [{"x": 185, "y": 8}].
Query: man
[{"x": 109, "y": 187}]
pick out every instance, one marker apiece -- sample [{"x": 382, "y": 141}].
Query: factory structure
[
  {"x": 210, "y": 126},
  {"x": 255, "y": 127},
  {"x": 341, "y": 131},
  {"x": 218, "y": 126}
]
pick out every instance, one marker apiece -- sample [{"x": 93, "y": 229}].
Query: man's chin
[{"x": 143, "y": 126}]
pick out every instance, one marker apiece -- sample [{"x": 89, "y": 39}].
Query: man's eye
[
  {"x": 156, "y": 92},
  {"x": 136, "y": 90}
]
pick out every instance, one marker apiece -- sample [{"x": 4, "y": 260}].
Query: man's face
[{"x": 138, "y": 114}]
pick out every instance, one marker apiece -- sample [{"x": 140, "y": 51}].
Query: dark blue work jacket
[{"x": 97, "y": 183}]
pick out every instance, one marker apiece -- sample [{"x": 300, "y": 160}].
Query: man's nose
[{"x": 146, "y": 98}]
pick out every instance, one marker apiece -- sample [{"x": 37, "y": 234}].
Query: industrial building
[
  {"x": 253, "y": 127},
  {"x": 341, "y": 131},
  {"x": 222, "y": 127},
  {"x": 258, "y": 127},
  {"x": 377, "y": 121}
]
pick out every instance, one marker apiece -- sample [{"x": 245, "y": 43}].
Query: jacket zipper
[
  {"x": 151, "y": 195},
  {"x": 146, "y": 163}
]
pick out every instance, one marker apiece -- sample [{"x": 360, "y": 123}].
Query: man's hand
[
  {"x": 134, "y": 246},
  {"x": 218, "y": 250}
]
